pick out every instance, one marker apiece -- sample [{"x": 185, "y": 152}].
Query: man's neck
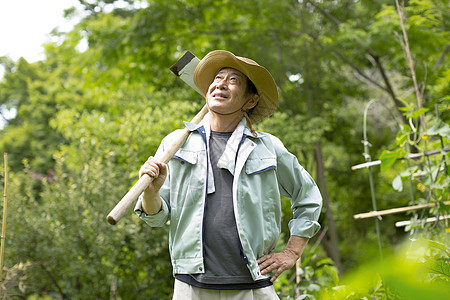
[{"x": 224, "y": 123}]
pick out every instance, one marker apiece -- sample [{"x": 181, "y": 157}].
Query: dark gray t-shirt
[{"x": 224, "y": 263}]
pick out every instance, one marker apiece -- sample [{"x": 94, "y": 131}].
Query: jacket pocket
[
  {"x": 187, "y": 169},
  {"x": 186, "y": 156},
  {"x": 187, "y": 178},
  {"x": 259, "y": 165}
]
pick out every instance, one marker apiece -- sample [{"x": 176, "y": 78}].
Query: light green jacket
[{"x": 263, "y": 169}]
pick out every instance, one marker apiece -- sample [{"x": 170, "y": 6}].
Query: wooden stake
[
  {"x": 410, "y": 155},
  {"x": 367, "y": 164},
  {"x": 394, "y": 210},
  {"x": 432, "y": 219}
]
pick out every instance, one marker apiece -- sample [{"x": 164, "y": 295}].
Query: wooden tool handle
[{"x": 130, "y": 198}]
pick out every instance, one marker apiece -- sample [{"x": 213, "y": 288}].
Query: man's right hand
[
  {"x": 158, "y": 170},
  {"x": 155, "y": 169}
]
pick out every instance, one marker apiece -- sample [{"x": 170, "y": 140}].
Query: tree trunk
[{"x": 330, "y": 242}]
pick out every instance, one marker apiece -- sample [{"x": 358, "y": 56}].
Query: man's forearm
[
  {"x": 296, "y": 245},
  {"x": 151, "y": 203}
]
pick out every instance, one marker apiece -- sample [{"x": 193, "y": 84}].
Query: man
[{"x": 221, "y": 190}]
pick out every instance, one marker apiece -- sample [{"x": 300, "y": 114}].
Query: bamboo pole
[
  {"x": 394, "y": 210},
  {"x": 428, "y": 220},
  {"x": 2, "y": 247},
  {"x": 366, "y": 154},
  {"x": 410, "y": 155},
  {"x": 367, "y": 165}
]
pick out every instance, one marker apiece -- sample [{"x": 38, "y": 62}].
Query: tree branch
[
  {"x": 406, "y": 48},
  {"x": 359, "y": 71},
  {"x": 325, "y": 13},
  {"x": 52, "y": 279},
  {"x": 441, "y": 59},
  {"x": 389, "y": 89}
]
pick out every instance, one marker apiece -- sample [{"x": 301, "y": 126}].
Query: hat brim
[{"x": 216, "y": 60}]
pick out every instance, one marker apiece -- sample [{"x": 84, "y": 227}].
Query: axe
[{"x": 183, "y": 68}]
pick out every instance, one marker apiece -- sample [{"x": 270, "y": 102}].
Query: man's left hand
[{"x": 281, "y": 262}]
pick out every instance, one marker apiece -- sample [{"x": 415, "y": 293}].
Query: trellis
[{"x": 369, "y": 164}]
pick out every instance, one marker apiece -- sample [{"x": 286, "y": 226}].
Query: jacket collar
[
  {"x": 205, "y": 123},
  {"x": 193, "y": 127},
  {"x": 228, "y": 158}
]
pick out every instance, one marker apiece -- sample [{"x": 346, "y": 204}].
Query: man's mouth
[{"x": 219, "y": 95}]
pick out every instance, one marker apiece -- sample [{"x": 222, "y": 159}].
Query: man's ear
[{"x": 253, "y": 101}]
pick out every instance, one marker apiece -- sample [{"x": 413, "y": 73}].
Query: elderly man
[{"x": 221, "y": 191}]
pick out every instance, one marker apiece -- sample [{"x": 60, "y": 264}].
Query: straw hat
[{"x": 208, "y": 67}]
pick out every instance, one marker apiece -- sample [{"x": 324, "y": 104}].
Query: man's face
[{"x": 227, "y": 93}]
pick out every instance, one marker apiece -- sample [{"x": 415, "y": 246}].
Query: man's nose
[{"x": 222, "y": 84}]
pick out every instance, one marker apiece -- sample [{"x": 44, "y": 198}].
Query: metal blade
[{"x": 185, "y": 67}]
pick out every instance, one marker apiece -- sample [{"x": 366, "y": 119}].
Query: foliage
[
  {"x": 414, "y": 271},
  {"x": 314, "y": 278},
  {"x": 74, "y": 252},
  {"x": 418, "y": 269},
  {"x": 431, "y": 174}
]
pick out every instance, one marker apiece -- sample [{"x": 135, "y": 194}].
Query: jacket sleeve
[
  {"x": 161, "y": 218},
  {"x": 306, "y": 201},
  {"x": 157, "y": 220}
]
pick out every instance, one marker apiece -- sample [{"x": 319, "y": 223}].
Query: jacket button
[{"x": 201, "y": 269}]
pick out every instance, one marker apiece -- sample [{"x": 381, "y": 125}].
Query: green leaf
[
  {"x": 438, "y": 245},
  {"x": 405, "y": 109},
  {"x": 417, "y": 113},
  {"x": 408, "y": 172},
  {"x": 406, "y": 128},
  {"x": 441, "y": 185},
  {"x": 439, "y": 128},
  {"x": 388, "y": 158},
  {"x": 397, "y": 184},
  {"x": 401, "y": 138},
  {"x": 441, "y": 267}
]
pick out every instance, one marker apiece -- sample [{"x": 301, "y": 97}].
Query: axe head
[{"x": 185, "y": 67}]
